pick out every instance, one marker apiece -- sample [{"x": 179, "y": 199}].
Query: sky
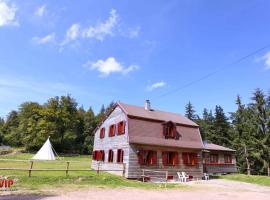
[{"x": 100, "y": 51}]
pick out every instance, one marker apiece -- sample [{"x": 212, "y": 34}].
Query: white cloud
[
  {"x": 266, "y": 59},
  {"x": 72, "y": 33},
  {"x": 7, "y": 14},
  {"x": 110, "y": 65},
  {"x": 44, "y": 40},
  {"x": 98, "y": 32},
  {"x": 40, "y": 11},
  {"x": 101, "y": 30},
  {"x": 156, "y": 85}
]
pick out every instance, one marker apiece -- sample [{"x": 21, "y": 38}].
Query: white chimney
[{"x": 147, "y": 105}]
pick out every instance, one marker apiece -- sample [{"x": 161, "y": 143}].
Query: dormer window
[{"x": 169, "y": 130}]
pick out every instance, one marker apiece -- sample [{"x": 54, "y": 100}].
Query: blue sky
[{"x": 101, "y": 51}]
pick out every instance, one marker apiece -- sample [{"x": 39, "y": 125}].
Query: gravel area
[{"x": 199, "y": 190}]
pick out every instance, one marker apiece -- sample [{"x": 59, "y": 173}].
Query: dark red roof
[
  {"x": 138, "y": 111},
  {"x": 210, "y": 146}
]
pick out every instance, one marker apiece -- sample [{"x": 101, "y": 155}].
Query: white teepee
[{"x": 45, "y": 152}]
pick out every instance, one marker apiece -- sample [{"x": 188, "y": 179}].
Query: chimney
[{"x": 147, "y": 105}]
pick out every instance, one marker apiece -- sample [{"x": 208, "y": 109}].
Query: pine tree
[
  {"x": 222, "y": 128},
  {"x": 190, "y": 112},
  {"x": 206, "y": 124}
]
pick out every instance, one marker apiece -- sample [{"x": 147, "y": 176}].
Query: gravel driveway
[{"x": 201, "y": 190}]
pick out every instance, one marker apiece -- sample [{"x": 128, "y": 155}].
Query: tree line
[
  {"x": 70, "y": 127},
  {"x": 247, "y": 130}
]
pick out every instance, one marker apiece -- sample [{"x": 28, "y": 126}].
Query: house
[{"x": 157, "y": 142}]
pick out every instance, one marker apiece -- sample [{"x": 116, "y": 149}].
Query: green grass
[
  {"x": 260, "y": 180},
  {"x": 49, "y": 180}
]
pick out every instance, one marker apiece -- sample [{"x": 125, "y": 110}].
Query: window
[
  {"x": 213, "y": 158},
  {"x": 121, "y": 128},
  {"x": 110, "y": 156},
  {"x": 120, "y": 155},
  {"x": 228, "y": 158},
  {"x": 170, "y": 158},
  {"x": 190, "y": 159},
  {"x": 112, "y": 130},
  {"x": 99, "y": 155},
  {"x": 102, "y": 133},
  {"x": 147, "y": 157},
  {"x": 169, "y": 130}
]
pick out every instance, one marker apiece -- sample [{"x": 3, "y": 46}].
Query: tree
[
  {"x": 260, "y": 107},
  {"x": 90, "y": 123},
  {"x": 243, "y": 137},
  {"x": 2, "y": 123},
  {"x": 222, "y": 128},
  {"x": 12, "y": 136},
  {"x": 190, "y": 112},
  {"x": 206, "y": 124}
]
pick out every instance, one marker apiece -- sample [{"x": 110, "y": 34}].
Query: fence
[{"x": 67, "y": 169}]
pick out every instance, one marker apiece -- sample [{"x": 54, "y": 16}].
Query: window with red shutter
[
  {"x": 170, "y": 158},
  {"x": 121, "y": 128},
  {"x": 101, "y": 155},
  {"x": 112, "y": 130},
  {"x": 110, "y": 156},
  {"x": 147, "y": 157},
  {"x": 120, "y": 155},
  {"x": 169, "y": 130},
  {"x": 102, "y": 133},
  {"x": 190, "y": 159}
]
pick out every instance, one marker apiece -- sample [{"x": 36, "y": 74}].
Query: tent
[{"x": 45, "y": 152}]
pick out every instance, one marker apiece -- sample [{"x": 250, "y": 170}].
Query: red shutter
[
  {"x": 195, "y": 158},
  {"x": 185, "y": 158},
  {"x": 165, "y": 158},
  {"x": 154, "y": 157},
  {"x": 174, "y": 131},
  {"x": 175, "y": 159},
  {"x": 165, "y": 130},
  {"x": 123, "y": 127},
  {"x": 140, "y": 156},
  {"x": 94, "y": 155}
]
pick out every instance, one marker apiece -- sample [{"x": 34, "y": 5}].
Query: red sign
[{"x": 5, "y": 183}]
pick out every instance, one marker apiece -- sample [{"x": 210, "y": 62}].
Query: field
[
  {"x": 41, "y": 181},
  {"x": 260, "y": 180}
]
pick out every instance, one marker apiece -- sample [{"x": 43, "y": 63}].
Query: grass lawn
[
  {"x": 260, "y": 180},
  {"x": 49, "y": 180}
]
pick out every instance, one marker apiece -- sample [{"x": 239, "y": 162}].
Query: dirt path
[{"x": 205, "y": 190}]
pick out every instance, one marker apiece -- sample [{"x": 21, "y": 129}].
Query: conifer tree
[{"x": 190, "y": 112}]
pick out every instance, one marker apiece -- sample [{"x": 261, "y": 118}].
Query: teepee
[{"x": 45, "y": 152}]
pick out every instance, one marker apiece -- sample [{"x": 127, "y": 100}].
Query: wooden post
[
  {"x": 166, "y": 176},
  {"x": 98, "y": 168},
  {"x": 124, "y": 169},
  {"x": 143, "y": 175},
  {"x": 30, "y": 168},
  {"x": 67, "y": 168}
]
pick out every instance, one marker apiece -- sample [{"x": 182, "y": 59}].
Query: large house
[{"x": 144, "y": 139}]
